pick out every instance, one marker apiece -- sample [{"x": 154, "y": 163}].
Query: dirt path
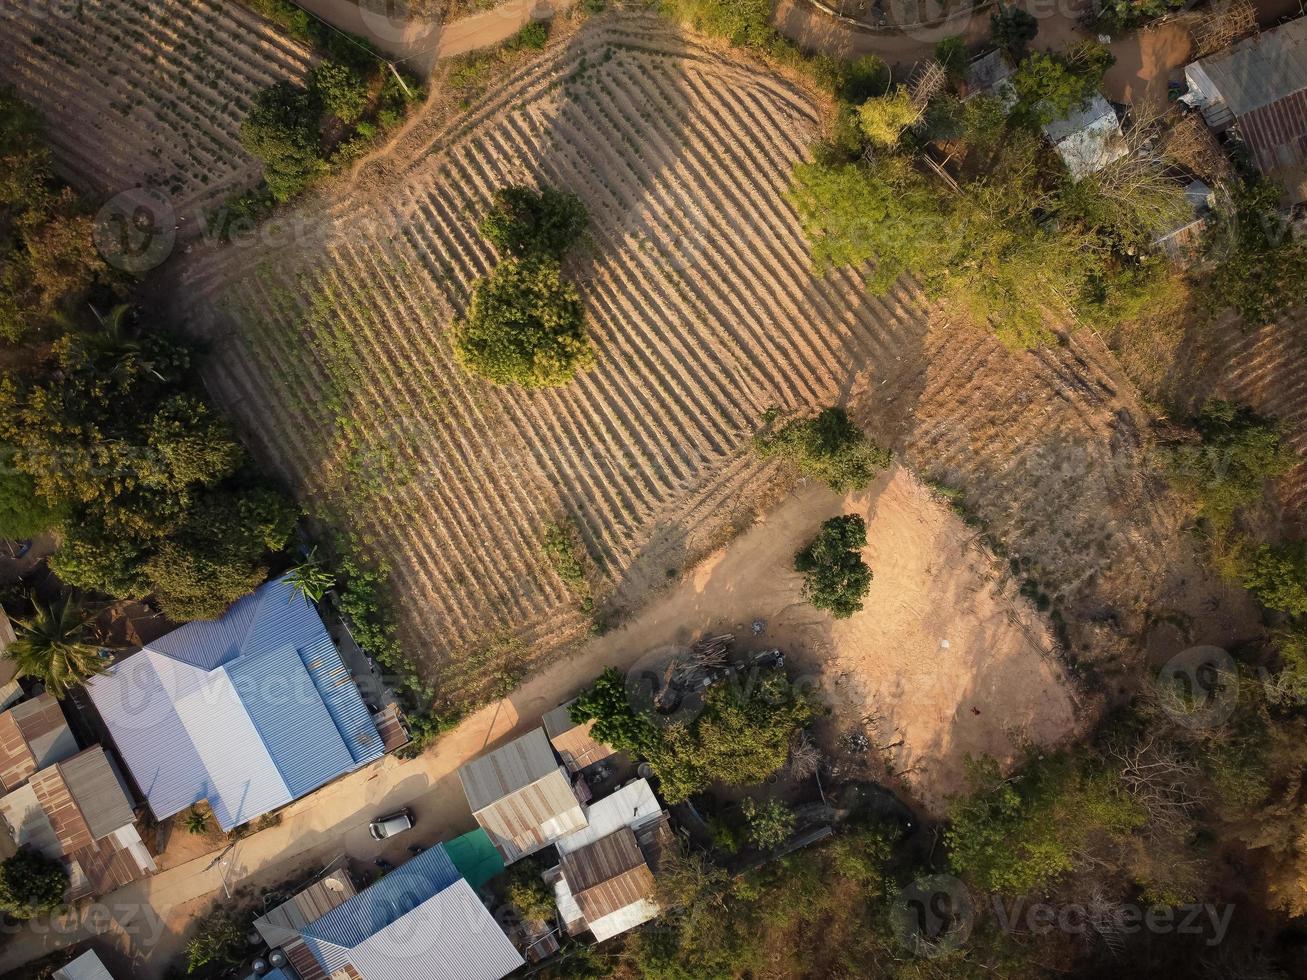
[
  {"x": 420, "y": 43},
  {"x": 938, "y": 638}
]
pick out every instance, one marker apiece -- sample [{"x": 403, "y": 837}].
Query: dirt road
[
  {"x": 939, "y": 637},
  {"x": 419, "y": 43}
]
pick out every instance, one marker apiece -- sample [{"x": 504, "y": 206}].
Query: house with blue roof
[
  {"x": 247, "y": 712},
  {"x": 422, "y": 921}
]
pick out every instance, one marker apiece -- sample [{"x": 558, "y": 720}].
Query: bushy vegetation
[
  {"x": 533, "y": 36},
  {"x": 770, "y": 822},
  {"x": 48, "y": 260},
  {"x": 527, "y": 892},
  {"x": 1229, "y": 465},
  {"x": 827, "y": 447},
  {"x": 1260, "y": 269},
  {"x": 1012, "y": 241},
  {"x": 157, "y": 493},
  {"x": 835, "y": 577},
  {"x": 1277, "y": 576},
  {"x": 1012, "y": 29},
  {"x": 24, "y": 514},
  {"x": 565, "y": 551},
  {"x": 219, "y": 943},
  {"x": 282, "y": 131},
  {"x": 741, "y": 736},
  {"x": 526, "y": 223},
  {"x": 31, "y": 884},
  {"x": 525, "y": 326}
]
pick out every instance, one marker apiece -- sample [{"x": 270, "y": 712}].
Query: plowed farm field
[
  {"x": 331, "y": 345},
  {"x": 147, "y": 93}
]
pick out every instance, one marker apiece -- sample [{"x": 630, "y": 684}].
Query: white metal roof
[
  {"x": 85, "y": 967},
  {"x": 1089, "y": 138},
  {"x": 632, "y": 806}
]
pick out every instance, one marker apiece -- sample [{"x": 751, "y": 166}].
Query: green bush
[
  {"x": 615, "y": 723},
  {"x": 770, "y": 822},
  {"x": 23, "y": 513},
  {"x": 885, "y": 118},
  {"x": 1017, "y": 835},
  {"x": 220, "y": 942},
  {"x": 1228, "y": 469},
  {"x": 835, "y": 577},
  {"x": 31, "y": 884},
  {"x": 952, "y": 54},
  {"x": 526, "y": 223},
  {"x": 533, "y": 36},
  {"x": 565, "y": 551},
  {"x": 340, "y": 90},
  {"x": 1053, "y": 86},
  {"x": 1260, "y": 267},
  {"x": 527, "y": 892},
  {"x": 828, "y": 447},
  {"x": 1012, "y": 29},
  {"x": 525, "y": 326},
  {"x": 1277, "y": 576},
  {"x": 282, "y": 130}
]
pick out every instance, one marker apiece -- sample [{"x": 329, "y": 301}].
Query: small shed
[
  {"x": 521, "y": 796},
  {"x": 84, "y": 967},
  {"x": 574, "y": 743},
  {"x": 1089, "y": 138}
]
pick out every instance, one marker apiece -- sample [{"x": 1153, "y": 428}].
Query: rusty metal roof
[
  {"x": 33, "y": 735},
  {"x": 574, "y": 742},
  {"x": 608, "y": 875}
]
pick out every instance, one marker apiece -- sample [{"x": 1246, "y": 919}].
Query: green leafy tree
[
  {"x": 607, "y": 704},
  {"x": 526, "y": 223},
  {"x": 770, "y": 822},
  {"x": 952, "y": 54},
  {"x": 31, "y": 884},
  {"x": 23, "y": 513},
  {"x": 835, "y": 577},
  {"x": 525, "y": 326},
  {"x": 1260, "y": 267},
  {"x": 282, "y": 130},
  {"x": 527, "y": 892},
  {"x": 740, "y": 738},
  {"x": 1013, "y": 29},
  {"x": 1016, "y": 835},
  {"x": 1277, "y": 576},
  {"x": 340, "y": 90},
  {"x": 884, "y": 213},
  {"x": 885, "y": 118},
  {"x": 311, "y": 578},
  {"x": 828, "y": 447},
  {"x": 53, "y": 646},
  {"x": 1228, "y": 468},
  {"x": 219, "y": 942},
  {"x": 1053, "y": 86},
  {"x": 217, "y": 555},
  {"x": 533, "y": 36}
]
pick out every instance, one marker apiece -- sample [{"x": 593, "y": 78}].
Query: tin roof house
[
  {"x": 604, "y": 881},
  {"x": 249, "y": 711},
  {"x": 66, "y": 803},
  {"x": 1258, "y": 88},
  {"x": 85, "y": 967},
  {"x": 574, "y": 743},
  {"x": 522, "y": 797},
  {"x": 1089, "y": 138},
  {"x": 422, "y": 921}
]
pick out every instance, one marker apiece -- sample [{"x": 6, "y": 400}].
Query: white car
[{"x": 389, "y": 826}]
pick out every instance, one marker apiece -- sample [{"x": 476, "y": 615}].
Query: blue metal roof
[
  {"x": 341, "y": 696},
  {"x": 288, "y": 713},
  {"x": 383, "y": 902},
  {"x": 296, "y": 721}
]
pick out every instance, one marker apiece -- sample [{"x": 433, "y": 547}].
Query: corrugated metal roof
[
  {"x": 1261, "y": 69},
  {"x": 574, "y": 742},
  {"x": 283, "y": 923},
  {"x": 384, "y": 901},
  {"x": 1277, "y": 136},
  {"x": 288, "y": 713},
  {"x": 507, "y": 769},
  {"x": 85, "y": 967},
  {"x": 608, "y": 875},
  {"x": 345, "y": 704},
  {"x": 1089, "y": 138},
  {"x": 95, "y": 787},
  {"x": 188, "y": 734},
  {"x": 450, "y": 936},
  {"x": 33, "y": 735},
  {"x": 634, "y": 805},
  {"x": 475, "y": 857}
]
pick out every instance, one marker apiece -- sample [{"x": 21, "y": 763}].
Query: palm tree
[
  {"x": 311, "y": 579},
  {"x": 197, "y": 821},
  {"x": 115, "y": 348},
  {"x": 53, "y": 646}
]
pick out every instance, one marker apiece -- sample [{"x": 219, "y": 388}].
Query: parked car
[{"x": 389, "y": 826}]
